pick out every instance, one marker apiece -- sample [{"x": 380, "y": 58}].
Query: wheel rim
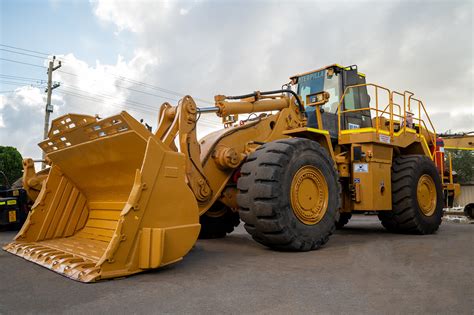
[
  {"x": 309, "y": 195},
  {"x": 426, "y": 195}
]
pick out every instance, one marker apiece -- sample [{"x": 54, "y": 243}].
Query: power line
[
  {"x": 99, "y": 97},
  {"x": 123, "y": 79},
  {"x": 15, "y": 83},
  {"x": 144, "y": 85},
  {"x": 128, "y": 88},
  {"x": 96, "y": 100},
  {"x": 15, "y": 77},
  {"x": 118, "y": 76},
  {"x": 24, "y": 54},
  {"x": 23, "y": 63},
  {"x": 135, "y": 90},
  {"x": 22, "y": 81},
  {"x": 138, "y": 106},
  {"x": 18, "y": 48},
  {"x": 148, "y": 107},
  {"x": 106, "y": 96},
  {"x": 67, "y": 86}
]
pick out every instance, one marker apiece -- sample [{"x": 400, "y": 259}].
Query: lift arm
[{"x": 180, "y": 122}]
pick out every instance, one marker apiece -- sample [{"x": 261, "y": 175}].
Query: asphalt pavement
[{"x": 362, "y": 270}]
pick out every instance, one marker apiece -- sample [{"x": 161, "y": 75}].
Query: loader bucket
[{"x": 115, "y": 202}]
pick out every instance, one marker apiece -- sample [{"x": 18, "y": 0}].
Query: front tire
[
  {"x": 289, "y": 195},
  {"x": 218, "y": 221},
  {"x": 417, "y": 197}
]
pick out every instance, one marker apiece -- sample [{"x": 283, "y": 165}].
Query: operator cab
[{"x": 334, "y": 79}]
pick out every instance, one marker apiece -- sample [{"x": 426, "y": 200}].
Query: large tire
[
  {"x": 343, "y": 220},
  {"x": 265, "y": 199},
  {"x": 218, "y": 221},
  {"x": 469, "y": 210},
  {"x": 411, "y": 175}
]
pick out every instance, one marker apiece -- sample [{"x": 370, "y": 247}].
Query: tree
[
  {"x": 463, "y": 164},
  {"x": 10, "y": 163}
]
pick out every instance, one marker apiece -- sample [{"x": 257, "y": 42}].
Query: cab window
[{"x": 320, "y": 81}]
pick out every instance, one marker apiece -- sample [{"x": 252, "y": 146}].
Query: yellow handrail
[
  {"x": 406, "y": 107},
  {"x": 450, "y": 168},
  {"x": 394, "y": 104},
  {"x": 439, "y": 153},
  {"x": 376, "y": 103}
]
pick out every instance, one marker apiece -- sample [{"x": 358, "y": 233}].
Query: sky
[{"x": 135, "y": 55}]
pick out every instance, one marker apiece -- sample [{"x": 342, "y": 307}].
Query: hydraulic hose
[{"x": 300, "y": 105}]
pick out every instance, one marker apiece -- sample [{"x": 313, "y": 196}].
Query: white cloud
[
  {"x": 204, "y": 48},
  {"x": 235, "y": 47},
  {"x": 116, "y": 12},
  {"x": 21, "y": 120},
  {"x": 101, "y": 82},
  {"x": 84, "y": 89}
]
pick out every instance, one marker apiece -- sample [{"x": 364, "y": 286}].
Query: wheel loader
[{"x": 120, "y": 199}]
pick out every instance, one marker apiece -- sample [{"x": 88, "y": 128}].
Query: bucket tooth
[{"x": 115, "y": 202}]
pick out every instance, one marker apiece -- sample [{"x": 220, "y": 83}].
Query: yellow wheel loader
[{"x": 120, "y": 199}]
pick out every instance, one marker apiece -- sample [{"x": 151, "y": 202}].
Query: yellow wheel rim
[
  {"x": 426, "y": 195},
  {"x": 309, "y": 195}
]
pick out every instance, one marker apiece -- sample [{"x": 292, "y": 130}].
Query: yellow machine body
[
  {"x": 372, "y": 178},
  {"x": 119, "y": 199}
]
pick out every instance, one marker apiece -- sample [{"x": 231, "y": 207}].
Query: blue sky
[
  {"x": 61, "y": 27},
  {"x": 57, "y": 27}
]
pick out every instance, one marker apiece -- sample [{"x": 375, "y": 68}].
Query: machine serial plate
[{"x": 361, "y": 168}]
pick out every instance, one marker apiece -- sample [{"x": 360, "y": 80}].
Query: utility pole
[{"x": 49, "y": 107}]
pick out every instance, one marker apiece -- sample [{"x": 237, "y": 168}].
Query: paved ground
[{"x": 362, "y": 269}]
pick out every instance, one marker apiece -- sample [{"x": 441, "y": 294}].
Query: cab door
[{"x": 355, "y": 98}]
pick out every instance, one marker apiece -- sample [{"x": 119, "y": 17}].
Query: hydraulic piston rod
[{"x": 213, "y": 109}]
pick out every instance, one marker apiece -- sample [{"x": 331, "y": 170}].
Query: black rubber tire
[
  {"x": 406, "y": 215},
  {"x": 264, "y": 195},
  {"x": 344, "y": 218},
  {"x": 469, "y": 210},
  {"x": 218, "y": 226}
]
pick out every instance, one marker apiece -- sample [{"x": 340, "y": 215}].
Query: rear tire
[
  {"x": 218, "y": 221},
  {"x": 267, "y": 194},
  {"x": 343, "y": 220},
  {"x": 469, "y": 210},
  {"x": 417, "y": 197}
]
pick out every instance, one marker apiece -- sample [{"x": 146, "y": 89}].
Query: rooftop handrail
[
  {"x": 394, "y": 104},
  {"x": 376, "y": 102},
  {"x": 407, "y": 102}
]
